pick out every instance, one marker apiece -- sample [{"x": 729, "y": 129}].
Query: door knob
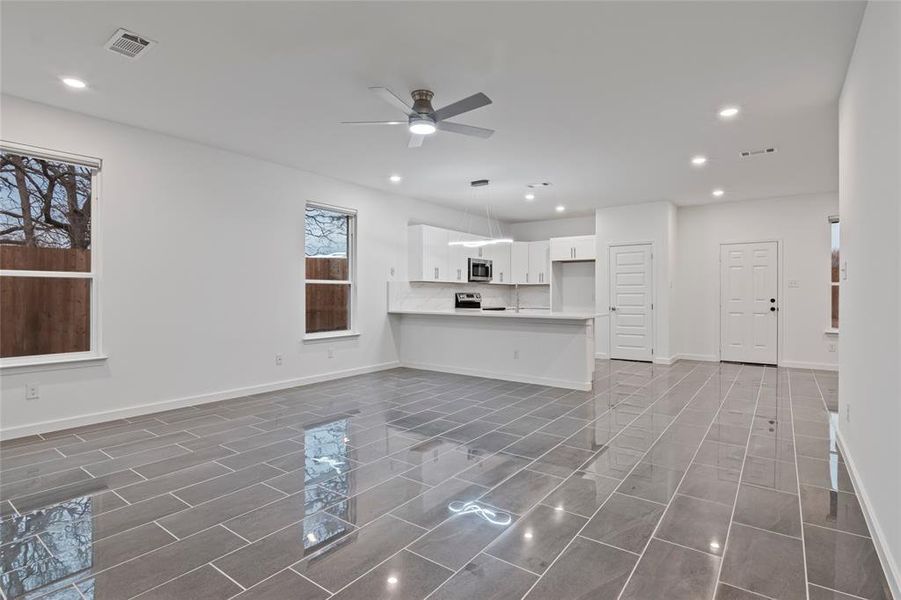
[
  {"x": 772, "y": 300},
  {"x": 772, "y": 309}
]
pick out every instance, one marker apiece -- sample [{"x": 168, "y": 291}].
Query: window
[
  {"x": 329, "y": 263},
  {"x": 835, "y": 272},
  {"x": 48, "y": 280}
]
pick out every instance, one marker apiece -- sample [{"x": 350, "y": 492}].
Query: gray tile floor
[{"x": 689, "y": 481}]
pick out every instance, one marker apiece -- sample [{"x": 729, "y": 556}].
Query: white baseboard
[
  {"x": 665, "y": 360},
  {"x": 152, "y": 407},
  {"x": 799, "y": 364},
  {"x": 889, "y": 565},
  {"x": 601, "y": 355},
  {"x": 698, "y": 357},
  {"x": 561, "y": 383}
]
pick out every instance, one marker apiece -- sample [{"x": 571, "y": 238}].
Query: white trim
[
  {"x": 330, "y": 335},
  {"x": 152, "y": 407},
  {"x": 665, "y": 360},
  {"x": 697, "y": 357},
  {"x": 890, "y": 566},
  {"x": 601, "y": 356},
  {"x": 48, "y": 274},
  {"x": 831, "y": 331},
  {"x": 549, "y": 381},
  {"x": 48, "y": 154},
  {"x": 800, "y": 364},
  {"x": 50, "y": 362}
]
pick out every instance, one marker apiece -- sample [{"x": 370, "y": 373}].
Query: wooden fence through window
[
  {"x": 44, "y": 315},
  {"x": 327, "y": 304}
]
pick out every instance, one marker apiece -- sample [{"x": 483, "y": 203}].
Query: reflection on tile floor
[{"x": 692, "y": 481}]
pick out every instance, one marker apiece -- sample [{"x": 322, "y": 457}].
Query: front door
[
  {"x": 749, "y": 304},
  {"x": 631, "y": 295}
]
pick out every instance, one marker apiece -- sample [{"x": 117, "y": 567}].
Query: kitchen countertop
[{"x": 524, "y": 313}]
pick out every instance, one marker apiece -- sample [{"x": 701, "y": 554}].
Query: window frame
[
  {"x": 95, "y": 352},
  {"x": 351, "y": 330},
  {"x": 830, "y": 329}
]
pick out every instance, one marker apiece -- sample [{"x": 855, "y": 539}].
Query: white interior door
[
  {"x": 631, "y": 297},
  {"x": 749, "y": 303}
]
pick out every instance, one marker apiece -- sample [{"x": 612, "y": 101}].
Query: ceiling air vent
[
  {"x": 128, "y": 44},
  {"x": 760, "y": 152}
]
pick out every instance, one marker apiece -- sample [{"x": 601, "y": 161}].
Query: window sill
[
  {"x": 330, "y": 335},
  {"x": 50, "y": 363},
  {"x": 831, "y": 331}
]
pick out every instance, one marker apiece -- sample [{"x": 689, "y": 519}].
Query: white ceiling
[{"x": 608, "y": 101}]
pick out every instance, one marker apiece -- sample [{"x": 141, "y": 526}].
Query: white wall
[
  {"x": 531, "y": 231},
  {"x": 800, "y": 225},
  {"x": 651, "y": 222},
  {"x": 870, "y": 208},
  {"x": 202, "y": 264}
]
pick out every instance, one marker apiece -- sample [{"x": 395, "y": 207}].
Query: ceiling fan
[{"x": 423, "y": 120}]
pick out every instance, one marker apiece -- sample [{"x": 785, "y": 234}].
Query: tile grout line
[
  {"x": 741, "y": 474},
  {"x": 791, "y": 414}
]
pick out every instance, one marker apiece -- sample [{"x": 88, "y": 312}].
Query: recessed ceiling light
[
  {"x": 560, "y": 208},
  {"x": 75, "y": 83},
  {"x": 392, "y": 580},
  {"x": 729, "y": 111},
  {"x": 698, "y": 160},
  {"x": 718, "y": 192},
  {"x": 395, "y": 179},
  {"x": 714, "y": 545},
  {"x": 530, "y": 196},
  {"x": 527, "y": 535}
]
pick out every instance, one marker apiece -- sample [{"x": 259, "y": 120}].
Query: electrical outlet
[
  {"x": 391, "y": 272},
  {"x": 830, "y": 347},
  {"x": 31, "y": 391},
  {"x": 516, "y": 355},
  {"x": 279, "y": 359},
  {"x": 331, "y": 353}
]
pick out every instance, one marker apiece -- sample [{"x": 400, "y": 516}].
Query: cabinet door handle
[
  {"x": 502, "y": 276},
  {"x": 459, "y": 274},
  {"x": 436, "y": 272},
  {"x": 527, "y": 278}
]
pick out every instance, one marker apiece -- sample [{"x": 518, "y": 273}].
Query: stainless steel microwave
[{"x": 479, "y": 269}]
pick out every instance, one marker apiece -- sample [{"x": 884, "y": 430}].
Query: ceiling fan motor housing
[{"x": 422, "y": 102}]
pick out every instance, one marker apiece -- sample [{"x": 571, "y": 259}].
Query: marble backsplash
[{"x": 417, "y": 295}]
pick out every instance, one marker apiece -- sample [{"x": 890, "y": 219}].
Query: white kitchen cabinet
[
  {"x": 539, "y": 262},
  {"x": 580, "y": 247},
  {"x": 428, "y": 253},
  {"x": 499, "y": 255},
  {"x": 519, "y": 262},
  {"x": 458, "y": 257}
]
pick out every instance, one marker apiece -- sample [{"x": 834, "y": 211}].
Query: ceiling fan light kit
[{"x": 423, "y": 119}]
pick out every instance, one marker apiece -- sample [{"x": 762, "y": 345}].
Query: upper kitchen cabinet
[
  {"x": 500, "y": 257},
  {"x": 429, "y": 254},
  {"x": 579, "y": 247},
  {"x": 539, "y": 263},
  {"x": 529, "y": 263}
]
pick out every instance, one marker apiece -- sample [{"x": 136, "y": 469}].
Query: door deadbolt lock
[
  {"x": 772, "y": 301},
  {"x": 772, "y": 309}
]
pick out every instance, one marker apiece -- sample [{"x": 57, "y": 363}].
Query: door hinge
[
  {"x": 652, "y": 352},
  {"x": 652, "y": 306}
]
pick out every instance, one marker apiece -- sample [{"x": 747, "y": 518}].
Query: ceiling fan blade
[
  {"x": 465, "y": 129},
  {"x": 415, "y": 141},
  {"x": 465, "y": 105},
  {"x": 389, "y": 97},
  {"x": 373, "y": 122}
]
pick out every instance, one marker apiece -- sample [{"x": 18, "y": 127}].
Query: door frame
[
  {"x": 779, "y": 290},
  {"x": 610, "y": 246}
]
